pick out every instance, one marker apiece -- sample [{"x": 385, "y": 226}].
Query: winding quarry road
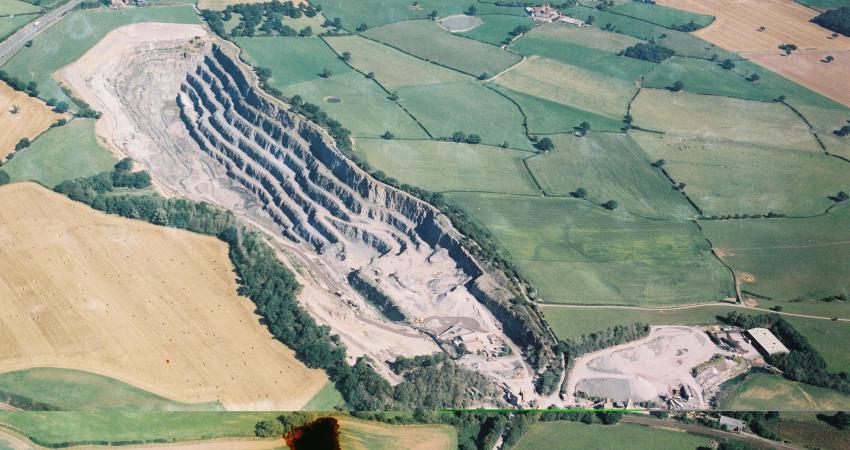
[{"x": 10, "y": 46}]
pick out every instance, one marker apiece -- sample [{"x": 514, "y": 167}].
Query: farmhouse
[
  {"x": 766, "y": 342},
  {"x": 547, "y": 13}
]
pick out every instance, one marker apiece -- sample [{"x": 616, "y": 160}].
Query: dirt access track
[
  {"x": 737, "y": 25},
  {"x": 151, "y": 306},
  {"x": 33, "y": 117}
]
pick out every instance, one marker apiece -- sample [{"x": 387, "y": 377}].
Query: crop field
[
  {"x": 574, "y": 252},
  {"x": 727, "y": 178},
  {"x": 30, "y": 120},
  {"x": 74, "y": 390},
  {"x": 737, "y": 24},
  {"x": 571, "y": 85},
  {"x": 445, "y": 166},
  {"x": 594, "y": 50},
  {"x": 609, "y": 166},
  {"x": 15, "y": 7},
  {"x": 495, "y": 28},
  {"x": 363, "y": 108},
  {"x": 362, "y": 435},
  {"x": 725, "y": 118},
  {"x": 62, "y": 153},
  {"x": 73, "y": 298},
  {"x": 69, "y": 39},
  {"x": 56, "y": 427},
  {"x": 375, "y": 13},
  {"x": 786, "y": 259},
  {"x": 565, "y": 435},
  {"x": 392, "y": 68},
  {"x": 292, "y": 60},
  {"x": 548, "y": 117},
  {"x": 763, "y": 392},
  {"x": 810, "y": 69},
  {"x": 466, "y": 106},
  {"x": 425, "y": 39}
]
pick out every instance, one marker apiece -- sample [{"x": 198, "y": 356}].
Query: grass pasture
[
  {"x": 609, "y": 166},
  {"x": 327, "y": 399},
  {"x": 365, "y": 108},
  {"x": 496, "y": 28},
  {"x": 447, "y": 166},
  {"x": 788, "y": 259},
  {"x": 661, "y": 15},
  {"x": 33, "y": 118},
  {"x": 574, "y": 252},
  {"x": 727, "y": 178},
  {"x": 557, "y": 33},
  {"x": 15, "y": 7},
  {"x": 425, "y": 39},
  {"x": 69, "y": 39},
  {"x": 763, "y": 392},
  {"x": 375, "y": 13},
  {"x": 466, "y": 106},
  {"x": 292, "y": 60},
  {"x": 362, "y": 435},
  {"x": 9, "y": 25},
  {"x": 570, "y": 85},
  {"x": 574, "y": 435},
  {"x": 72, "y": 297},
  {"x": 62, "y": 153},
  {"x": 74, "y": 390},
  {"x": 804, "y": 429},
  {"x": 713, "y": 117},
  {"x": 548, "y": 117},
  {"x": 825, "y": 120},
  {"x": 392, "y": 68}
]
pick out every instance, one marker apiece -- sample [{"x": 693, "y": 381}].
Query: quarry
[{"x": 384, "y": 270}]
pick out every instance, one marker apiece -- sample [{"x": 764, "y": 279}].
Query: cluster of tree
[
  {"x": 769, "y": 215},
  {"x": 314, "y": 113},
  {"x": 687, "y": 27},
  {"x": 803, "y": 363},
  {"x": 22, "y": 144},
  {"x": 649, "y": 52},
  {"x": 58, "y": 105},
  {"x": 837, "y": 20},
  {"x": 840, "y": 420},
  {"x": 281, "y": 425},
  {"x": 460, "y": 136},
  {"x": 834, "y": 298},
  {"x": 31, "y": 88},
  {"x": 787, "y": 48},
  {"x": 264, "y": 17},
  {"x": 84, "y": 110},
  {"x": 843, "y": 131},
  {"x": 86, "y": 190},
  {"x": 518, "y": 30}
]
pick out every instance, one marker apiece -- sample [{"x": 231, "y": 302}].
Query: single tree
[
  {"x": 583, "y": 128},
  {"x": 471, "y": 10},
  {"x": 362, "y": 27},
  {"x": 61, "y": 107},
  {"x": 393, "y": 96},
  {"x": 579, "y": 193},
  {"x": 346, "y": 56},
  {"x": 306, "y": 32},
  {"x": 727, "y": 64},
  {"x": 677, "y": 86},
  {"x": 388, "y": 136},
  {"x": 473, "y": 139},
  {"x": 545, "y": 145},
  {"x": 326, "y": 73},
  {"x": 659, "y": 163},
  {"x": 433, "y": 14},
  {"x": 829, "y": 59},
  {"x": 22, "y": 144},
  {"x": 458, "y": 136},
  {"x": 610, "y": 205}
]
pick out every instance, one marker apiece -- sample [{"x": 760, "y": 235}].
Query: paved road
[
  {"x": 16, "y": 41},
  {"x": 749, "y": 439}
]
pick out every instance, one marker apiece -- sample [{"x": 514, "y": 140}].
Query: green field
[
  {"x": 725, "y": 118},
  {"x": 60, "y": 154},
  {"x": 73, "y": 390},
  {"x": 13, "y": 7},
  {"x": 609, "y": 166},
  {"x": 291, "y": 59},
  {"x": 825, "y": 119},
  {"x": 570, "y": 85},
  {"x": 574, "y": 252},
  {"x": 45, "y": 3},
  {"x": 466, "y": 106},
  {"x": 727, "y": 178},
  {"x": 496, "y": 28},
  {"x": 9, "y": 25},
  {"x": 392, "y": 68},
  {"x": 425, "y": 39},
  {"x": 824, "y": 4},
  {"x": 327, "y": 399},
  {"x": 365, "y": 108},
  {"x": 763, "y": 392},
  {"x": 56, "y": 427},
  {"x": 589, "y": 48},
  {"x": 661, "y": 15},
  {"x": 447, "y": 166},
  {"x": 69, "y": 39},
  {"x": 575, "y": 435},
  {"x": 804, "y": 429},
  {"x": 379, "y": 12},
  {"x": 548, "y": 117},
  {"x": 805, "y": 259}
]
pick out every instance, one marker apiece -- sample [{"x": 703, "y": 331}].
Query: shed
[{"x": 732, "y": 424}]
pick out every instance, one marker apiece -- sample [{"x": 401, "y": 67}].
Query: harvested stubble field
[
  {"x": 151, "y": 306},
  {"x": 362, "y": 435},
  {"x": 762, "y": 392},
  {"x": 32, "y": 118},
  {"x": 727, "y": 178},
  {"x": 809, "y": 68},
  {"x": 425, "y": 39},
  {"x": 575, "y": 252},
  {"x": 609, "y": 166},
  {"x": 713, "y": 117},
  {"x": 447, "y": 166}
]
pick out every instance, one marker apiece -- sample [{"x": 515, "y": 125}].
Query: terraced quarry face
[
  {"x": 151, "y": 306},
  {"x": 225, "y": 143}
]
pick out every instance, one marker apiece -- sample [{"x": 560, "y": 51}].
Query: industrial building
[{"x": 765, "y": 342}]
